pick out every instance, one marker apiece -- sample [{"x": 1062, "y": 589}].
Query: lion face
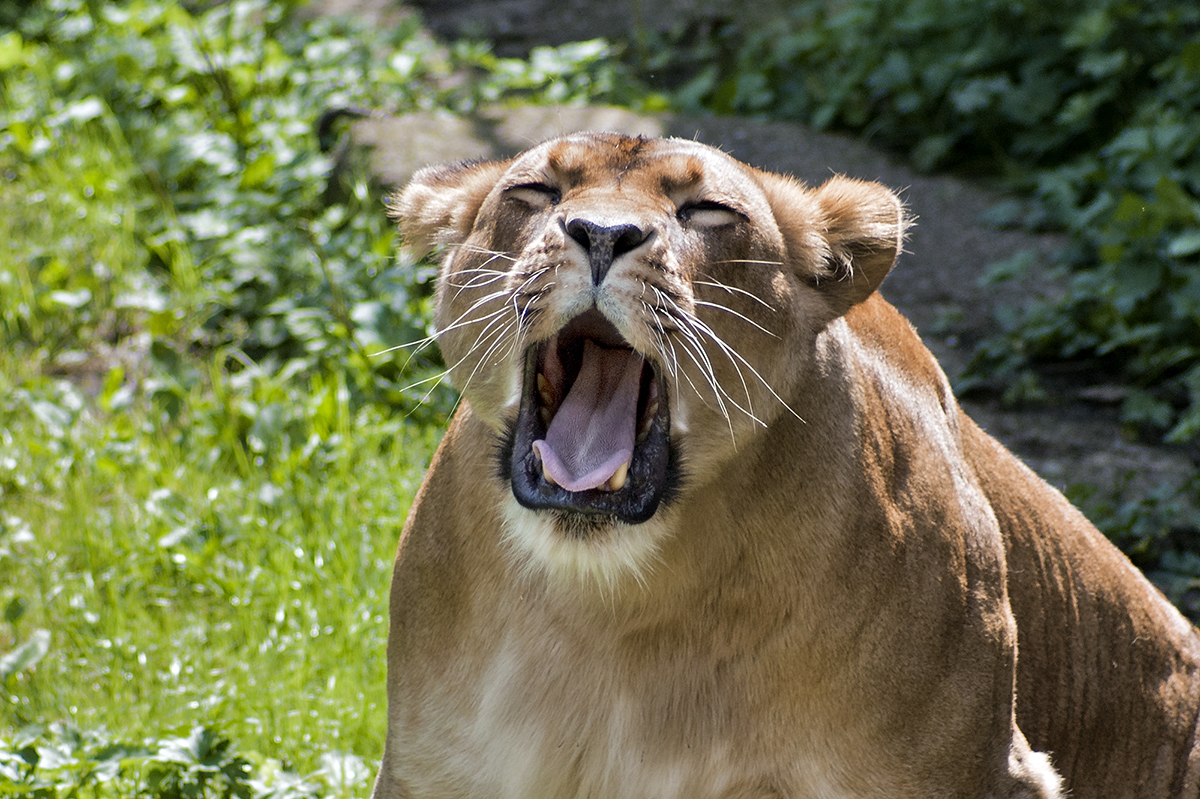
[{"x": 626, "y": 313}]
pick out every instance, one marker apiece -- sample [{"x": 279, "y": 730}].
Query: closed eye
[
  {"x": 535, "y": 195},
  {"x": 708, "y": 213}
]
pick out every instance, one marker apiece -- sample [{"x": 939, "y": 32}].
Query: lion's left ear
[
  {"x": 440, "y": 203},
  {"x": 844, "y": 237}
]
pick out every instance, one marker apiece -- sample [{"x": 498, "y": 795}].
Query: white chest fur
[{"x": 532, "y": 729}]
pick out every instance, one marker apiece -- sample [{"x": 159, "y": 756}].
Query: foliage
[
  {"x": 49, "y": 762},
  {"x": 1155, "y": 528},
  {"x": 184, "y": 144},
  {"x": 1092, "y": 106}
]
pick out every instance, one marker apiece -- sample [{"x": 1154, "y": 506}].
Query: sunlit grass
[{"x": 178, "y": 591}]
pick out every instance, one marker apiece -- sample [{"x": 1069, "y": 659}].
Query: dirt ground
[{"x": 1075, "y": 438}]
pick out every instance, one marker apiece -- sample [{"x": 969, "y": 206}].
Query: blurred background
[{"x": 210, "y": 433}]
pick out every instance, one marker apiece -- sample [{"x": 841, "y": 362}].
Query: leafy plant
[
  {"x": 184, "y": 143},
  {"x": 60, "y": 761}
]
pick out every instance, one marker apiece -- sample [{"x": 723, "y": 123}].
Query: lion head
[{"x": 626, "y": 313}]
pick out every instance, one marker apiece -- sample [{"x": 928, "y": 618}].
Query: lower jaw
[{"x": 580, "y": 550}]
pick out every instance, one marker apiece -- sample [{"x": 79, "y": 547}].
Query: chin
[{"x": 572, "y": 549}]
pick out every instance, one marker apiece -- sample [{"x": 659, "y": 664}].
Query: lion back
[{"x": 1107, "y": 670}]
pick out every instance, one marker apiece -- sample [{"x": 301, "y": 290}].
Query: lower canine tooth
[
  {"x": 617, "y": 481},
  {"x": 546, "y": 474}
]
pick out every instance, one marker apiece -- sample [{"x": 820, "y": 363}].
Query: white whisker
[
  {"x": 458, "y": 323},
  {"x": 696, "y": 352},
  {"x": 732, "y": 353},
  {"x": 720, "y": 307},
  {"x": 748, "y": 261},
  {"x": 425, "y": 342},
  {"x": 485, "y": 251},
  {"x": 692, "y": 321},
  {"x": 496, "y": 341},
  {"x": 483, "y": 279},
  {"x": 748, "y": 411},
  {"x": 735, "y": 289}
]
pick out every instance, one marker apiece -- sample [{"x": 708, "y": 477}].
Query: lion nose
[{"x": 603, "y": 244}]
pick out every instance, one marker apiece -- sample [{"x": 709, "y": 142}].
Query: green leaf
[
  {"x": 258, "y": 171},
  {"x": 1101, "y": 65},
  {"x": 1141, "y": 407},
  {"x": 1185, "y": 244},
  {"x": 12, "y": 52},
  {"x": 930, "y": 152},
  {"x": 1089, "y": 29},
  {"x": 975, "y": 95},
  {"x": 1173, "y": 201},
  {"x": 1013, "y": 268},
  {"x": 1190, "y": 57},
  {"x": 14, "y": 610},
  {"x": 1130, "y": 207},
  {"x": 1187, "y": 428},
  {"x": 25, "y": 656}
]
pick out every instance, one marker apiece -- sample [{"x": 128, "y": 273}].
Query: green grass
[{"x": 182, "y": 589}]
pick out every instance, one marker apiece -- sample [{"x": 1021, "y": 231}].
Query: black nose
[{"x": 604, "y": 244}]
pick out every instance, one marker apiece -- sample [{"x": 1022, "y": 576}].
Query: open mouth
[{"x": 593, "y": 432}]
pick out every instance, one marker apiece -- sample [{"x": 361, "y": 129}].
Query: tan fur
[{"x": 832, "y": 604}]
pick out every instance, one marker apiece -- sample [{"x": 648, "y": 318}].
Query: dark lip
[{"x": 653, "y": 470}]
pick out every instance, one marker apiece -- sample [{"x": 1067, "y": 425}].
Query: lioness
[{"x": 709, "y": 522}]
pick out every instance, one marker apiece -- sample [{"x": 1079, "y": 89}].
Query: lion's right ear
[{"x": 440, "y": 203}]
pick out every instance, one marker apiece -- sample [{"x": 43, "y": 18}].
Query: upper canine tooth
[
  {"x": 617, "y": 481},
  {"x": 544, "y": 412},
  {"x": 647, "y": 420},
  {"x": 544, "y": 389}
]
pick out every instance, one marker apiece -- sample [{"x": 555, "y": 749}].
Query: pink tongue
[{"x": 592, "y": 433}]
